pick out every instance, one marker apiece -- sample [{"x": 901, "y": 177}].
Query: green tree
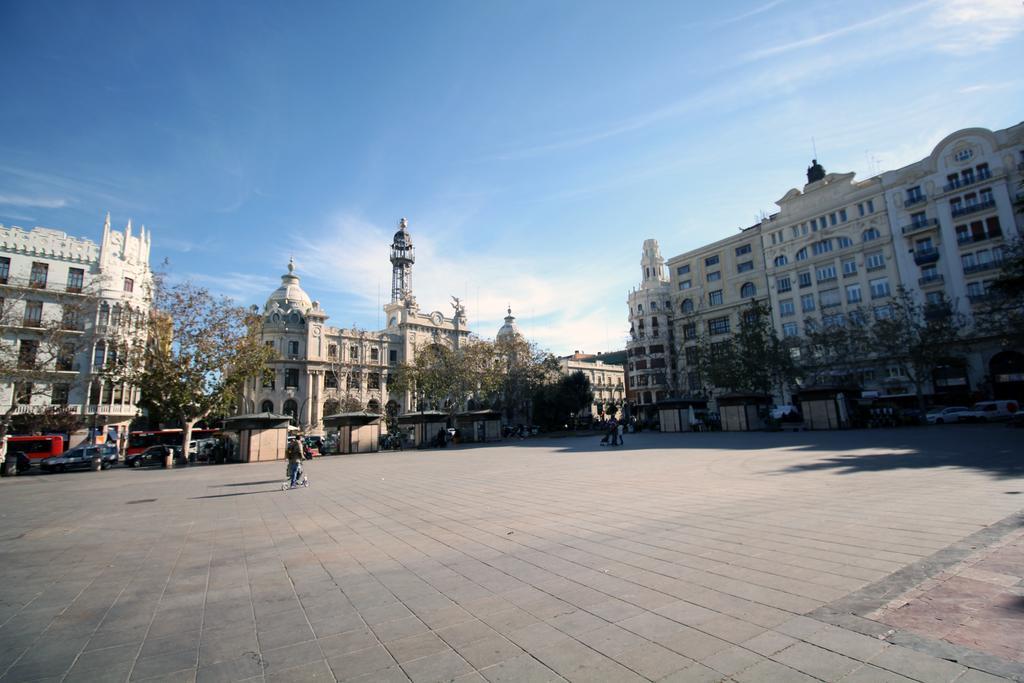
[
  {"x": 522, "y": 367},
  {"x": 446, "y": 378},
  {"x": 558, "y": 403},
  {"x": 752, "y": 360},
  {"x": 835, "y": 353},
  {"x": 1001, "y": 314},
  {"x": 198, "y": 351}
]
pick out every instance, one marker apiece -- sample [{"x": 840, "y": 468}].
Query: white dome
[
  {"x": 509, "y": 329},
  {"x": 290, "y": 294}
]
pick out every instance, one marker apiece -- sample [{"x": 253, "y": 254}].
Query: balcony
[
  {"x": 37, "y": 283},
  {"x": 980, "y": 267},
  {"x": 973, "y": 207},
  {"x": 970, "y": 238},
  {"x": 937, "y": 311},
  {"x": 917, "y": 226},
  {"x": 930, "y": 280},
  {"x": 916, "y": 199},
  {"x": 977, "y": 299},
  {"x": 968, "y": 181},
  {"x": 923, "y": 257}
]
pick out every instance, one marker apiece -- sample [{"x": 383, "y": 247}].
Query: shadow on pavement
[
  {"x": 230, "y": 495},
  {"x": 253, "y": 483}
]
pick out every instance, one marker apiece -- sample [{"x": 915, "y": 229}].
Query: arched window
[
  {"x": 748, "y": 290},
  {"x": 640, "y": 309},
  {"x": 871, "y": 234},
  {"x": 687, "y": 306},
  {"x": 267, "y": 407},
  {"x": 802, "y": 254},
  {"x": 115, "y": 315},
  {"x": 99, "y": 356},
  {"x": 845, "y": 242},
  {"x": 781, "y": 260},
  {"x": 373, "y": 406},
  {"x": 291, "y": 409},
  {"x": 94, "y": 393},
  {"x": 104, "y": 313}
]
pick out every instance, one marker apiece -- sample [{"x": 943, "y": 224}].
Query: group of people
[{"x": 614, "y": 435}]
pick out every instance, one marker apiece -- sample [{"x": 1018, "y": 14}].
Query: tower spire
[{"x": 403, "y": 255}]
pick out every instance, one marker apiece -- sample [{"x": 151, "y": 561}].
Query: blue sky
[{"x": 532, "y": 145}]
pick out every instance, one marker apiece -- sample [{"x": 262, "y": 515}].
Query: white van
[{"x": 990, "y": 411}]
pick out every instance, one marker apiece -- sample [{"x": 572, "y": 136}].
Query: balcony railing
[
  {"x": 925, "y": 256},
  {"x": 916, "y": 199},
  {"x": 920, "y": 225},
  {"x": 968, "y": 181},
  {"x": 929, "y": 280},
  {"x": 968, "y": 238},
  {"x": 979, "y": 267},
  {"x": 36, "y": 283},
  {"x": 979, "y": 298},
  {"x": 973, "y": 207}
]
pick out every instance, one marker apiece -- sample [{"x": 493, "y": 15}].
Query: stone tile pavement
[{"x": 678, "y": 557}]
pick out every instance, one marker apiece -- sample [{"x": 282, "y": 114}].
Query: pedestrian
[
  {"x": 619, "y": 428},
  {"x": 294, "y": 452},
  {"x": 612, "y": 431}
]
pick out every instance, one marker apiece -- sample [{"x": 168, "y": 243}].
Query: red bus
[
  {"x": 36, "y": 447},
  {"x": 140, "y": 441}
]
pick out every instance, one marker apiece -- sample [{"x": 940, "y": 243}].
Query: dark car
[
  {"x": 154, "y": 457},
  {"x": 80, "y": 458}
]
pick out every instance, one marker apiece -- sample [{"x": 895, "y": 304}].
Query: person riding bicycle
[{"x": 294, "y": 453}]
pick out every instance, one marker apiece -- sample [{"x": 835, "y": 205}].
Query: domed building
[
  {"x": 321, "y": 370},
  {"x": 510, "y": 329}
]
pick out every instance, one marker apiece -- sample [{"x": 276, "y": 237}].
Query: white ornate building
[
  {"x": 321, "y": 369},
  {"x": 49, "y": 279}
]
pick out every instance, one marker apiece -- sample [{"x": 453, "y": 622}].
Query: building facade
[
  {"x": 840, "y": 248},
  {"x": 607, "y": 380},
  {"x": 321, "y": 370},
  {"x": 65, "y": 301},
  {"x": 649, "y": 347}
]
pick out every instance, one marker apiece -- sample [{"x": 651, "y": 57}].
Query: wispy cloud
[
  {"x": 751, "y": 13},
  {"x": 964, "y": 25},
  {"x": 35, "y": 202},
  {"x": 557, "y": 306}
]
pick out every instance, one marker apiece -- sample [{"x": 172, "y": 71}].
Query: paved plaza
[{"x": 676, "y": 557}]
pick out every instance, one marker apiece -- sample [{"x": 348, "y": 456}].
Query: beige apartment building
[
  {"x": 606, "y": 379},
  {"x": 839, "y": 248}
]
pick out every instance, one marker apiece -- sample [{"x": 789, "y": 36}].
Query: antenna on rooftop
[{"x": 814, "y": 148}]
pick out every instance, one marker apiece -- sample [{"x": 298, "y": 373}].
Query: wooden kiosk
[
  {"x": 478, "y": 426},
  {"x": 261, "y": 436},
  {"x": 358, "y": 432},
  {"x": 681, "y": 414},
  {"x": 422, "y": 428},
  {"x": 828, "y": 406},
  {"x": 744, "y": 412}
]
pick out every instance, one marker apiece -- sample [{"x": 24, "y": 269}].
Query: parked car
[
  {"x": 937, "y": 416},
  {"x": 80, "y": 458},
  {"x": 991, "y": 411},
  {"x": 154, "y": 457},
  {"x": 201, "y": 449}
]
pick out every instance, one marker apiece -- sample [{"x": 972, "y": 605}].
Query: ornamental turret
[{"x": 403, "y": 255}]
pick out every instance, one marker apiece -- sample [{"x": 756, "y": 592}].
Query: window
[
  {"x": 687, "y": 306},
  {"x": 715, "y": 276},
  {"x": 883, "y": 312},
  {"x": 392, "y": 356},
  {"x": 745, "y": 267},
  {"x": 807, "y": 302},
  {"x": 821, "y": 247},
  {"x": 99, "y": 356},
  {"x": 355, "y": 380},
  {"x": 683, "y": 270},
  {"x": 844, "y": 242},
  {"x": 804, "y": 279},
  {"x": 874, "y": 261},
  {"x": 914, "y": 194},
  {"x": 27, "y": 352},
  {"x": 826, "y": 273},
  {"x": 849, "y": 267},
  {"x": 692, "y": 355},
  {"x": 104, "y": 313},
  {"x": 330, "y": 380},
  {"x": 353, "y": 352},
  {"x": 711, "y": 260},
  {"x": 870, "y": 235},
  {"x": 781, "y": 260},
  {"x": 115, "y": 315},
  {"x": 745, "y": 249},
  {"x": 842, "y": 215},
  {"x": 5, "y": 269},
  {"x": 870, "y": 205},
  {"x": 373, "y": 380},
  {"x": 782, "y": 284},
  {"x": 332, "y": 350},
  {"x": 654, "y": 305},
  {"x": 718, "y": 325},
  {"x": 929, "y": 273},
  {"x": 129, "y": 284},
  {"x": 76, "y": 277},
  {"x": 748, "y": 290},
  {"x": 802, "y": 254},
  {"x": 59, "y": 394},
  {"x": 66, "y": 357},
  {"x": 853, "y": 294},
  {"x": 937, "y": 298},
  {"x": 715, "y": 298},
  {"x": 685, "y": 284},
  {"x": 33, "y": 313},
  {"x": 830, "y": 297},
  {"x": 879, "y": 288},
  {"x": 23, "y": 393},
  {"x": 790, "y": 330},
  {"x": 291, "y": 378},
  {"x": 39, "y": 274},
  {"x": 690, "y": 331},
  {"x": 832, "y": 219},
  {"x": 293, "y": 348},
  {"x": 834, "y": 320},
  {"x": 860, "y": 208},
  {"x": 374, "y": 354},
  {"x": 786, "y": 308}
]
